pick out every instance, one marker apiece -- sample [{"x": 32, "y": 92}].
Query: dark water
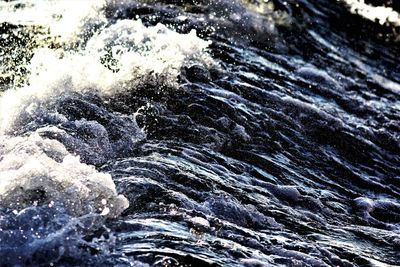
[{"x": 283, "y": 152}]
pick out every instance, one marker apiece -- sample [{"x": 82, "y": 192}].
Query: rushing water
[{"x": 199, "y": 133}]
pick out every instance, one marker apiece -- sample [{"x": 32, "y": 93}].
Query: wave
[
  {"x": 45, "y": 154},
  {"x": 202, "y": 133}
]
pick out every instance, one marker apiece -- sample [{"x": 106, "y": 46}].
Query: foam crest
[
  {"x": 116, "y": 59},
  {"x": 382, "y": 14},
  {"x": 63, "y": 18},
  {"x": 35, "y": 171},
  {"x": 120, "y": 58}
]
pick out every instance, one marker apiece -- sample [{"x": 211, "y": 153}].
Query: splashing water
[
  {"x": 36, "y": 170},
  {"x": 199, "y": 133}
]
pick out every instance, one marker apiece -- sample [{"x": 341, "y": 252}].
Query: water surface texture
[{"x": 200, "y": 133}]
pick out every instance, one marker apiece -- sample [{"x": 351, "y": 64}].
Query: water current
[{"x": 200, "y": 133}]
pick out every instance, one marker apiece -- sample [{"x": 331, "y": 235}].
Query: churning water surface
[{"x": 199, "y": 133}]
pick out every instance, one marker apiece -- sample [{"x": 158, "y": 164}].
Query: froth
[
  {"x": 118, "y": 59},
  {"x": 34, "y": 170},
  {"x": 382, "y": 14},
  {"x": 64, "y": 19}
]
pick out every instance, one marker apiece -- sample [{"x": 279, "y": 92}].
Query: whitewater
[{"x": 199, "y": 133}]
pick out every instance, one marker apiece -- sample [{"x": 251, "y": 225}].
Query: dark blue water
[{"x": 282, "y": 151}]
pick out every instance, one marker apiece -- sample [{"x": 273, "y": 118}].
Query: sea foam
[{"x": 117, "y": 58}]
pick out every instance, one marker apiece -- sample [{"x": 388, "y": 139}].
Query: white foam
[
  {"x": 29, "y": 164},
  {"x": 200, "y": 222},
  {"x": 64, "y": 19},
  {"x": 151, "y": 56},
  {"x": 382, "y": 14},
  {"x": 141, "y": 55}
]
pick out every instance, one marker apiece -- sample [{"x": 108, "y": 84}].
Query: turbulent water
[{"x": 199, "y": 133}]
